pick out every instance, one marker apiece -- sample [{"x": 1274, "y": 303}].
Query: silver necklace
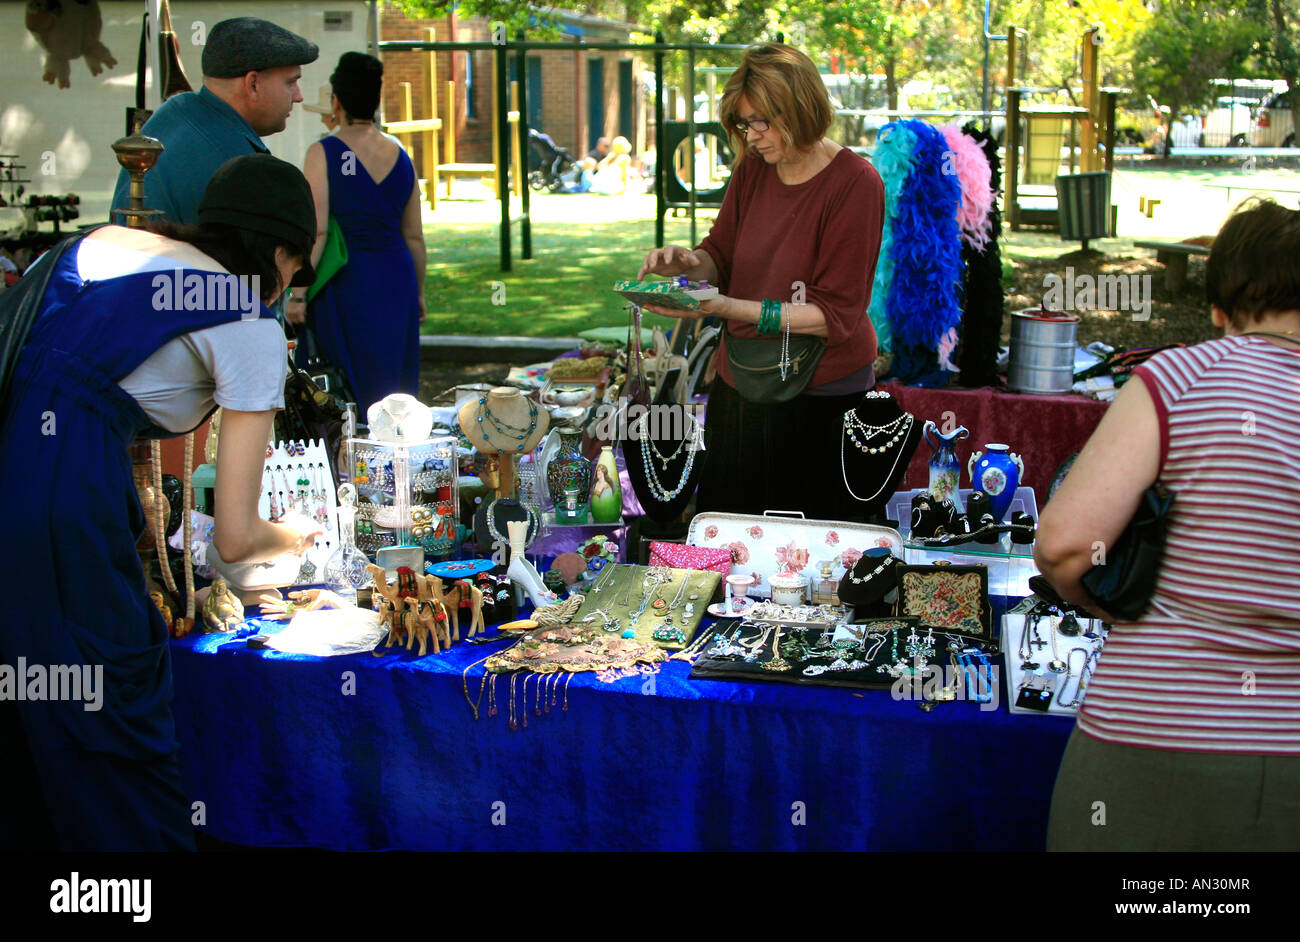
[{"x": 867, "y": 578}]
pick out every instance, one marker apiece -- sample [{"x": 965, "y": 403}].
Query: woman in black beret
[{"x": 116, "y": 335}]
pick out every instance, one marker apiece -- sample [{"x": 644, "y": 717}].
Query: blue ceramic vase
[
  {"x": 945, "y": 469},
  {"x": 997, "y": 472}
]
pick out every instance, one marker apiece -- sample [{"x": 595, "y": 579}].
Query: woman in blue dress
[
  {"x": 366, "y": 318},
  {"x": 139, "y": 333}
]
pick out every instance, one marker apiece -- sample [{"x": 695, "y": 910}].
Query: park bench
[{"x": 1174, "y": 255}]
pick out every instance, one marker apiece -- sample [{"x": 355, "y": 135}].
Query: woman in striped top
[{"x": 1189, "y": 738}]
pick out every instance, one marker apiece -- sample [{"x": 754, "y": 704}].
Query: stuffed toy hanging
[{"x": 67, "y": 29}]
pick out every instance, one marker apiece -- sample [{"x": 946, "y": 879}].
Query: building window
[{"x": 471, "y": 109}]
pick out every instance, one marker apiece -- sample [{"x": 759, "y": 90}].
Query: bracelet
[{"x": 769, "y": 318}]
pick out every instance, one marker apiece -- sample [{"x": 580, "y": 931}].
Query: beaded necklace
[
  {"x": 505, "y": 429},
  {"x": 657, "y": 489}
]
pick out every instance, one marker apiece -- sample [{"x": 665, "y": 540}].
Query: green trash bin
[{"x": 1083, "y": 201}]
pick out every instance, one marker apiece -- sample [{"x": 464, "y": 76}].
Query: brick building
[{"x": 576, "y": 96}]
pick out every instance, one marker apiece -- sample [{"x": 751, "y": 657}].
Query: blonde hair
[{"x": 785, "y": 88}]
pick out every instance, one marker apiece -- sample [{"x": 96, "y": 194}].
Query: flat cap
[{"x": 246, "y": 44}]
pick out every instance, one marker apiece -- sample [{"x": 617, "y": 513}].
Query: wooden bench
[{"x": 1174, "y": 255}]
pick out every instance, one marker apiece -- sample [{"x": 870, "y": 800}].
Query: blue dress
[
  {"x": 366, "y": 318},
  {"x": 73, "y": 586}
]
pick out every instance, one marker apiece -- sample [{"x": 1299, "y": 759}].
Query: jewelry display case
[
  {"x": 1050, "y": 657},
  {"x": 1010, "y": 564},
  {"x": 406, "y": 494}
]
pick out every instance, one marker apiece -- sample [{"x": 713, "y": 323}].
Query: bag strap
[{"x": 20, "y": 305}]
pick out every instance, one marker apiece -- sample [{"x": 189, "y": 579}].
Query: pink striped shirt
[{"x": 1214, "y": 666}]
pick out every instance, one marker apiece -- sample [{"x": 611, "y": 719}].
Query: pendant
[{"x": 1057, "y": 666}]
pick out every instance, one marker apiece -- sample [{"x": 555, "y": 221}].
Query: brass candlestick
[{"x": 137, "y": 154}]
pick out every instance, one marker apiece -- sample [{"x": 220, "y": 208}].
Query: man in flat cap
[{"x": 251, "y": 69}]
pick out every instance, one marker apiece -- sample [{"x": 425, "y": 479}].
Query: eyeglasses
[{"x": 758, "y": 124}]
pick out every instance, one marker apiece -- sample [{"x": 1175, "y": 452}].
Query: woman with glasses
[{"x": 793, "y": 252}]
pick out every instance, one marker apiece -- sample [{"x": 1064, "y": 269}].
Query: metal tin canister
[{"x": 1042, "y": 351}]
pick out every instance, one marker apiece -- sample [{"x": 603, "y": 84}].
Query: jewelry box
[
  {"x": 406, "y": 494},
  {"x": 764, "y": 545},
  {"x": 952, "y": 599}
]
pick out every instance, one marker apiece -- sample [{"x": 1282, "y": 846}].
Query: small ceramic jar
[{"x": 788, "y": 588}]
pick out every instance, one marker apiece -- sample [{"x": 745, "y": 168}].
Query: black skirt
[{"x": 780, "y": 456}]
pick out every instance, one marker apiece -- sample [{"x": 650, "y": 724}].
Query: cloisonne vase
[
  {"x": 945, "y": 469},
  {"x": 568, "y": 473},
  {"x": 606, "y": 492},
  {"x": 997, "y": 472}
]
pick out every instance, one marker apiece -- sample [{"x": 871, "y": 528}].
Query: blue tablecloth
[{"x": 367, "y": 753}]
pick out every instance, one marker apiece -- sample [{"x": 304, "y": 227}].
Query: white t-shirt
[{"x": 240, "y": 365}]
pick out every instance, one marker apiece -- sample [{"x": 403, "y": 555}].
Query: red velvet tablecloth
[{"x": 1042, "y": 430}]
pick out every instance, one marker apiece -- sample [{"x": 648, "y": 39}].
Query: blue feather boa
[{"x": 924, "y": 300}]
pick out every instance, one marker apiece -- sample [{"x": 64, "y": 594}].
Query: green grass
[
  {"x": 566, "y": 287},
  {"x": 583, "y": 244}
]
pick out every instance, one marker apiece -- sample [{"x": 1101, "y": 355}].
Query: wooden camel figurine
[
  {"x": 391, "y": 606},
  {"x": 451, "y": 599},
  {"x": 432, "y": 615}
]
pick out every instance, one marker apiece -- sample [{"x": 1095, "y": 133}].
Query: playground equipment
[
  {"x": 428, "y": 128},
  {"x": 1033, "y": 159}
]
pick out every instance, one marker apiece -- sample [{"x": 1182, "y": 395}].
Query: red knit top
[{"x": 824, "y": 233}]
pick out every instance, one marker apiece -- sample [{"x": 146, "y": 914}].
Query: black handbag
[
  {"x": 326, "y": 374},
  {"x": 310, "y": 412},
  {"x": 756, "y": 366},
  {"x": 1122, "y": 586}
]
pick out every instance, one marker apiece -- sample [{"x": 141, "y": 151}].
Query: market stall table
[
  {"x": 366, "y": 753},
  {"x": 1043, "y": 430}
]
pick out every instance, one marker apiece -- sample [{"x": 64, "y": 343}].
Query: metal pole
[
  {"x": 661, "y": 159},
  {"x": 1011, "y": 170},
  {"x": 690, "y": 133},
  {"x": 525, "y": 222},
  {"x": 499, "y": 112}
]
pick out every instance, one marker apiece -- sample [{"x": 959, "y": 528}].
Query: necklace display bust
[{"x": 503, "y": 421}]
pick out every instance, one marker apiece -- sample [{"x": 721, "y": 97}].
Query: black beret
[
  {"x": 246, "y": 44},
  {"x": 262, "y": 193}
]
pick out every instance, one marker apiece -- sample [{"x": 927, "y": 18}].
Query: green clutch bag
[{"x": 333, "y": 257}]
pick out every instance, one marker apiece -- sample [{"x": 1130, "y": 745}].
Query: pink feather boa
[{"x": 974, "y": 214}]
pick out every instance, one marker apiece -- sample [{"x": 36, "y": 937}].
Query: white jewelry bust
[{"x": 399, "y": 419}]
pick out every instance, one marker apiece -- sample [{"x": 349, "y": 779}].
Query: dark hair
[
  {"x": 357, "y": 81},
  {"x": 239, "y": 251},
  {"x": 785, "y": 88},
  {"x": 1254, "y": 264}
]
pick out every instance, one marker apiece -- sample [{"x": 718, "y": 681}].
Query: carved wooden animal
[
  {"x": 412, "y": 627},
  {"x": 66, "y": 30},
  {"x": 433, "y": 617},
  {"x": 452, "y": 598}
]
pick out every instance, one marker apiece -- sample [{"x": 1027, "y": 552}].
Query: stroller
[{"x": 549, "y": 165}]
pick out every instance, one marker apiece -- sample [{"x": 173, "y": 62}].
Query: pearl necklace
[
  {"x": 844, "y": 474},
  {"x": 496, "y": 534},
  {"x": 900, "y": 427}
]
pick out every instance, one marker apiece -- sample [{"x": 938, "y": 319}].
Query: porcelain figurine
[
  {"x": 997, "y": 472},
  {"x": 945, "y": 469}
]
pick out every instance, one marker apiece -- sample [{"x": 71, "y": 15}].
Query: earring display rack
[
  {"x": 296, "y": 477},
  {"x": 406, "y": 494}
]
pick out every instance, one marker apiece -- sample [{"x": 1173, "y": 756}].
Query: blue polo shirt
[{"x": 199, "y": 133}]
